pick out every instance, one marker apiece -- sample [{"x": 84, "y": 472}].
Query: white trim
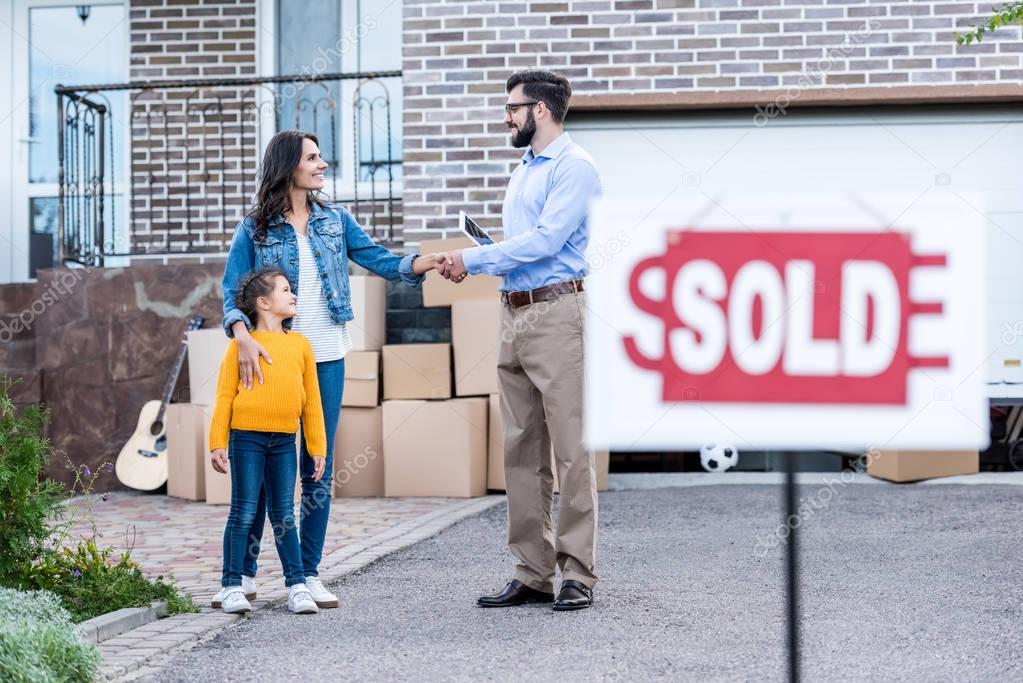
[
  {"x": 803, "y": 117},
  {"x": 7, "y": 147},
  {"x": 15, "y": 156},
  {"x": 266, "y": 63}
]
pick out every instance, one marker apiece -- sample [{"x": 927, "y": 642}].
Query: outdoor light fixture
[{"x": 83, "y": 11}]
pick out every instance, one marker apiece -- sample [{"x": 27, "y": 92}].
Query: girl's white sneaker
[
  {"x": 300, "y": 600},
  {"x": 321, "y": 596},
  {"x": 248, "y": 586},
  {"x": 234, "y": 601}
]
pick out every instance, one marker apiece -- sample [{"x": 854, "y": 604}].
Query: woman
[{"x": 293, "y": 229}]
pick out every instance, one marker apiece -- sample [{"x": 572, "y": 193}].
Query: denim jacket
[{"x": 334, "y": 237}]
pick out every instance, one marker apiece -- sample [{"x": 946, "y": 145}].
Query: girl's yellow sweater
[{"x": 289, "y": 391}]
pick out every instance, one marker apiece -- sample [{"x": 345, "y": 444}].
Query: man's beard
[{"x": 524, "y": 135}]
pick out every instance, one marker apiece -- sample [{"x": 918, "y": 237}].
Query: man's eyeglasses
[{"x": 512, "y": 107}]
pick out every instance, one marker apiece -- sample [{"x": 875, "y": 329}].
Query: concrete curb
[{"x": 113, "y": 624}]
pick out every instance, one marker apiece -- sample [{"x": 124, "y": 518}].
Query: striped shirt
[{"x": 330, "y": 341}]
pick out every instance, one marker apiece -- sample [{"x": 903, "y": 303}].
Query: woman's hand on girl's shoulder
[{"x": 249, "y": 351}]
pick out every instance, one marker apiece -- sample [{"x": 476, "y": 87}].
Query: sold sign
[
  {"x": 759, "y": 316},
  {"x": 781, "y": 322}
]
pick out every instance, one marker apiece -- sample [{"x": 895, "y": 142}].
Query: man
[{"x": 540, "y": 365}]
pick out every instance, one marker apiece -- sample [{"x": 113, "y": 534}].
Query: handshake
[{"x": 447, "y": 263}]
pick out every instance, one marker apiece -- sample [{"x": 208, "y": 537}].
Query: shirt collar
[
  {"x": 315, "y": 214},
  {"x": 551, "y": 151}
]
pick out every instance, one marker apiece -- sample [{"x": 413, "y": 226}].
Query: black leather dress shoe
[
  {"x": 573, "y": 595},
  {"x": 515, "y": 593}
]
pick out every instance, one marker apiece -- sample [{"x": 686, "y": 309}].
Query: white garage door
[{"x": 972, "y": 150}]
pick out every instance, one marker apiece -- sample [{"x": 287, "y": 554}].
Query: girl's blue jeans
[
  {"x": 315, "y": 510},
  {"x": 263, "y": 465}
]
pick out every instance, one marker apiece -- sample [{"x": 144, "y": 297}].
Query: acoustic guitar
[{"x": 142, "y": 463}]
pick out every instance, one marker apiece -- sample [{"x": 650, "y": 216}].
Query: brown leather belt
[{"x": 519, "y": 299}]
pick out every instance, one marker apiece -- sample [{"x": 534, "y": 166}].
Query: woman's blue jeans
[
  {"x": 263, "y": 467},
  {"x": 315, "y": 512}
]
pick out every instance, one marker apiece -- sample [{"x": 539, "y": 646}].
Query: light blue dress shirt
[{"x": 545, "y": 220}]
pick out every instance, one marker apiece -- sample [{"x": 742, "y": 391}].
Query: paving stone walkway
[{"x": 182, "y": 540}]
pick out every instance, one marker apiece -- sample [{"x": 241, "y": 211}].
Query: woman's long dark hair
[{"x": 279, "y": 161}]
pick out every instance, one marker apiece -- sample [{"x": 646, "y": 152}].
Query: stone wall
[{"x": 105, "y": 344}]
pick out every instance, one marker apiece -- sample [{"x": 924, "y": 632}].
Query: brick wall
[
  {"x": 458, "y": 53},
  {"x": 202, "y": 140}
]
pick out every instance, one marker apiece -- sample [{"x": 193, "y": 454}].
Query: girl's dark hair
[
  {"x": 254, "y": 285},
  {"x": 279, "y": 161}
]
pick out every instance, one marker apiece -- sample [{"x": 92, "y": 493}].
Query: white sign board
[{"x": 787, "y": 322}]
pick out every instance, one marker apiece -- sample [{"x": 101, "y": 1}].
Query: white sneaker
[
  {"x": 300, "y": 600},
  {"x": 323, "y": 597},
  {"x": 234, "y": 601},
  {"x": 248, "y": 587}
]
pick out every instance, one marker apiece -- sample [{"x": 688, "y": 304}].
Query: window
[
  {"x": 358, "y": 124},
  {"x": 65, "y": 49}
]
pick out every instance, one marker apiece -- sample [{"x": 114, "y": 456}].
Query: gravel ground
[{"x": 899, "y": 583}]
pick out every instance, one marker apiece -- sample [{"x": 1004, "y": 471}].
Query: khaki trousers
[{"x": 540, "y": 377}]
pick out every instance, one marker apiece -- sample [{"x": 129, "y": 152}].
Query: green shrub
[
  {"x": 36, "y": 549},
  {"x": 38, "y": 642},
  {"x": 90, "y": 583},
  {"x": 29, "y": 503}
]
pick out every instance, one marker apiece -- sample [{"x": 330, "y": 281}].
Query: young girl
[{"x": 260, "y": 425}]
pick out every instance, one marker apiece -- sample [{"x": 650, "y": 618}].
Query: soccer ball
[{"x": 718, "y": 457}]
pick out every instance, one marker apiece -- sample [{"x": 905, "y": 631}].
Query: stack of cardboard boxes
[
  {"x": 476, "y": 335},
  {"x": 189, "y": 473},
  {"x": 358, "y": 445},
  {"x": 427, "y": 425}
]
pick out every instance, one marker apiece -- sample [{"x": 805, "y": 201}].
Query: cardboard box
[
  {"x": 206, "y": 350},
  {"x": 369, "y": 305},
  {"x": 362, "y": 379},
  {"x": 186, "y": 451},
  {"x": 476, "y": 335},
  {"x": 359, "y": 453},
  {"x": 435, "y": 448},
  {"x": 495, "y": 454},
  {"x": 417, "y": 371},
  {"x": 902, "y": 466},
  {"x": 218, "y": 486},
  {"x": 439, "y": 291}
]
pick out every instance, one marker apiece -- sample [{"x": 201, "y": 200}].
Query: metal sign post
[{"x": 792, "y": 564}]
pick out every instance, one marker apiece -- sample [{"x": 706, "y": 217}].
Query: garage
[{"x": 974, "y": 150}]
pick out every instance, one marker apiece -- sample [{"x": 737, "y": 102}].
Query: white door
[
  {"x": 975, "y": 151},
  {"x": 49, "y": 43}
]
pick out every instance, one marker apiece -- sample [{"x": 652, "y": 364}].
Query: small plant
[
  {"x": 38, "y": 641},
  {"x": 90, "y": 582},
  {"x": 28, "y": 501},
  {"x": 37, "y": 550}
]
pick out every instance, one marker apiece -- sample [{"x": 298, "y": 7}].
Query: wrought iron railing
[{"x": 193, "y": 149}]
